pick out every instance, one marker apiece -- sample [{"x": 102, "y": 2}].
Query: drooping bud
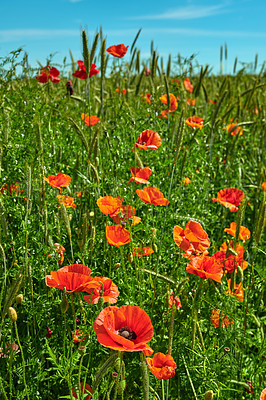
[
  {"x": 12, "y": 314},
  {"x": 19, "y": 298},
  {"x": 208, "y": 395},
  {"x": 117, "y": 265}
]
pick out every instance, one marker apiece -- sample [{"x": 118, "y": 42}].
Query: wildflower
[
  {"x": 174, "y": 300},
  {"x": 69, "y": 87},
  {"x": 68, "y": 201},
  {"x": 48, "y": 73},
  {"x": 230, "y": 257},
  {"x": 148, "y": 98},
  {"x": 191, "y": 102},
  {"x": 84, "y": 389},
  {"x": 162, "y": 365},
  {"x": 195, "y": 122},
  {"x": 263, "y": 395},
  {"x": 264, "y": 186},
  {"x": 109, "y": 205},
  {"x": 229, "y": 198},
  {"x": 11, "y": 189},
  {"x": 60, "y": 251},
  {"x": 152, "y": 195},
  {"x": 205, "y": 267},
  {"x": 251, "y": 388},
  {"x": 90, "y": 120},
  {"x": 125, "y": 213},
  {"x": 78, "y": 336},
  {"x": 234, "y": 131},
  {"x": 75, "y": 278},
  {"x": 49, "y": 333},
  {"x": 175, "y": 80},
  {"x": 117, "y": 235},
  {"x": 219, "y": 319},
  {"x": 186, "y": 181},
  {"x": 212, "y": 101},
  {"x": 188, "y": 86},
  {"x": 237, "y": 292},
  {"x": 127, "y": 328},
  {"x": 193, "y": 239},
  {"x": 107, "y": 290},
  {"x": 118, "y": 50},
  {"x": 244, "y": 233},
  {"x": 172, "y": 102},
  {"x": 58, "y": 181},
  {"x": 147, "y": 71},
  {"x": 142, "y": 251},
  {"x": 140, "y": 175},
  {"x": 13, "y": 347},
  {"x": 149, "y": 139},
  {"x": 81, "y": 72},
  {"x": 121, "y": 91}
]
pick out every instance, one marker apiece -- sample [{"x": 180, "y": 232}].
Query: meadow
[{"x": 133, "y": 203}]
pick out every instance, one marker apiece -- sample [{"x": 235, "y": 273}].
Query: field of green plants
[{"x": 133, "y": 203}]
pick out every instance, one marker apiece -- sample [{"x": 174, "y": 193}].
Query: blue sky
[{"x": 181, "y": 26}]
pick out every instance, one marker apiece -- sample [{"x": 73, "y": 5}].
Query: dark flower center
[{"x": 127, "y": 333}]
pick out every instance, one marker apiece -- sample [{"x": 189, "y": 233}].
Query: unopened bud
[
  {"x": 155, "y": 247},
  {"x": 91, "y": 214},
  {"x": 153, "y": 231},
  {"x": 82, "y": 350},
  {"x": 64, "y": 304},
  {"x": 130, "y": 258},
  {"x": 117, "y": 265},
  {"x": 117, "y": 364},
  {"x": 240, "y": 273},
  {"x": 19, "y": 298},
  {"x": 208, "y": 395},
  {"x": 12, "y": 314}
]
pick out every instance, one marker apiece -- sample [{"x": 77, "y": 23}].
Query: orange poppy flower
[
  {"x": 238, "y": 291},
  {"x": 186, "y": 181},
  {"x": 127, "y": 328},
  {"x": 163, "y": 114},
  {"x": 109, "y": 205},
  {"x": 107, "y": 290},
  {"x": 121, "y": 91},
  {"x": 68, "y": 201},
  {"x": 188, "y": 86},
  {"x": 118, "y": 50},
  {"x": 263, "y": 395},
  {"x": 140, "y": 175},
  {"x": 90, "y": 120},
  {"x": 117, "y": 235},
  {"x": 229, "y": 198},
  {"x": 84, "y": 389},
  {"x": 173, "y": 101},
  {"x": 230, "y": 260},
  {"x": 58, "y": 181},
  {"x": 78, "y": 336},
  {"x": 234, "y": 131},
  {"x": 191, "y": 102},
  {"x": 147, "y": 97},
  {"x": 219, "y": 319},
  {"x": 174, "y": 300},
  {"x": 244, "y": 233},
  {"x": 142, "y": 251},
  {"x": 263, "y": 186},
  {"x": 206, "y": 268},
  {"x": 193, "y": 239},
  {"x": 195, "y": 122},
  {"x": 152, "y": 195},
  {"x": 124, "y": 214},
  {"x": 162, "y": 365},
  {"x": 149, "y": 139},
  {"x": 75, "y": 278}
]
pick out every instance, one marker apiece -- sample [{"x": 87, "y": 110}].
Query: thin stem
[{"x": 23, "y": 361}]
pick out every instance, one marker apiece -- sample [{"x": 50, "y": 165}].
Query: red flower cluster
[{"x": 48, "y": 73}]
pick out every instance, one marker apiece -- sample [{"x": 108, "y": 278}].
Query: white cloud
[
  {"x": 13, "y": 35},
  {"x": 202, "y": 32},
  {"x": 184, "y": 13}
]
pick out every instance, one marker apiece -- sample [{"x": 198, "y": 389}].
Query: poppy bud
[
  {"x": 208, "y": 395},
  {"x": 240, "y": 273},
  {"x": 82, "y": 350},
  {"x": 19, "y": 298},
  {"x": 49, "y": 333},
  {"x": 12, "y": 314},
  {"x": 64, "y": 304},
  {"x": 117, "y": 265},
  {"x": 69, "y": 87},
  {"x": 118, "y": 364},
  {"x": 100, "y": 303},
  {"x": 153, "y": 231},
  {"x": 155, "y": 248},
  {"x": 130, "y": 258}
]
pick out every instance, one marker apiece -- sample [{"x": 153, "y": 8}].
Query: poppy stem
[
  {"x": 23, "y": 360},
  {"x": 163, "y": 398},
  {"x": 145, "y": 377},
  {"x": 120, "y": 357}
]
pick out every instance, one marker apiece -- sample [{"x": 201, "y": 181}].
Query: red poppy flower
[
  {"x": 124, "y": 214},
  {"x": 234, "y": 131},
  {"x": 251, "y": 388},
  {"x": 163, "y": 114},
  {"x": 238, "y": 291},
  {"x": 162, "y": 365},
  {"x": 48, "y": 73},
  {"x": 191, "y": 102},
  {"x": 117, "y": 235},
  {"x": 81, "y": 72},
  {"x": 121, "y": 91},
  {"x": 140, "y": 175},
  {"x": 107, "y": 290},
  {"x": 90, "y": 120},
  {"x": 118, "y": 50},
  {"x": 109, "y": 205},
  {"x": 206, "y": 268},
  {"x": 219, "y": 319},
  {"x": 142, "y": 251},
  {"x": 229, "y": 198},
  {"x": 195, "y": 122},
  {"x": 149, "y": 140},
  {"x": 49, "y": 333},
  {"x": 263, "y": 395},
  {"x": 188, "y": 86},
  {"x": 152, "y": 195},
  {"x": 174, "y": 300},
  {"x": 193, "y": 239},
  {"x": 175, "y": 80},
  {"x": 58, "y": 181},
  {"x": 244, "y": 233},
  {"x": 84, "y": 389},
  {"x": 127, "y": 328},
  {"x": 68, "y": 201},
  {"x": 231, "y": 257},
  {"x": 173, "y": 102},
  {"x": 75, "y": 278}
]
